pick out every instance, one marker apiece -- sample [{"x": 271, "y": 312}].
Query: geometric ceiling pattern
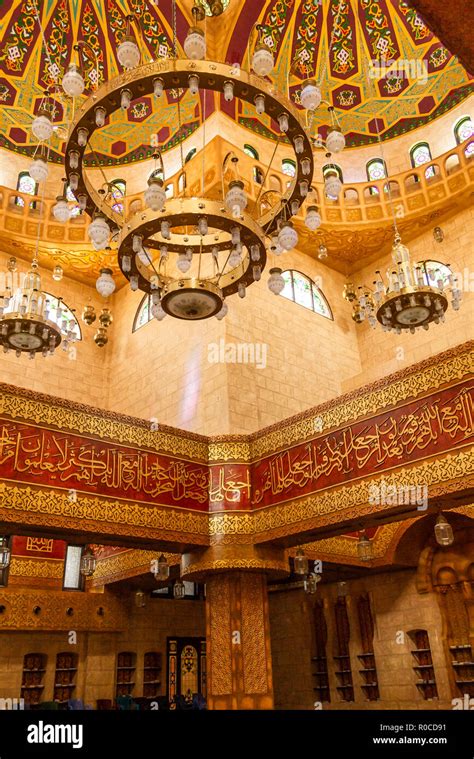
[{"x": 342, "y": 43}]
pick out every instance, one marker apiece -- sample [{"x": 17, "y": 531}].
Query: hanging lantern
[
  {"x": 61, "y": 210},
  {"x": 58, "y": 273},
  {"x": 128, "y": 53},
  {"x": 365, "y": 548},
  {"x": 39, "y": 169},
  {"x": 88, "y": 563},
  {"x": 140, "y": 599},
  {"x": 195, "y": 44},
  {"x": 310, "y": 583},
  {"x": 88, "y": 315},
  {"x": 236, "y": 199},
  {"x": 332, "y": 186},
  {"x": 42, "y": 127},
  {"x": 322, "y": 252},
  {"x": 262, "y": 60},
  {"x": 105, "y": 284},
  {"x": 335, "y": 141},
  {"x": 5, "y": 553},
  {"x": 99, "y": 231},
  {"x": 179, "y": 590},
  {"x": 443, "y": 532},
  {"x": 287, "y": 236},
  {"x": 301, "y": 562},
  {"x": 313, "y": 218},
  {"x": 160, "y": 568},
  {"x": 73, "y": 81},
  {"x": 276, "y": 283},
  {"x": 105, "y": 318},
  {"x": 100, "y": 337},
  {"x": 310, "y": 95},
  {"x": 155, "y": 195}
]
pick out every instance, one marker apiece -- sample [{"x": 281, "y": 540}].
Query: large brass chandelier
[
  {"x": 190, "y": 253},
  {"x": 412, "y": 296}
]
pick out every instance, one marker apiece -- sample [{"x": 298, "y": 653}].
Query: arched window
[
  {"x": 302, "y": 290},
  {"x": 75, "y": 210},
  {"x": 250, "y": 151},
  {"x": 119, "y": 188},
  {"x": 464, "y": 130},
  {"x": 27, "y": 185},
  {"x": 169, "y": 191},
  {"x": 182, "y": 182},
  {"x": 66, "y": 313},
  {"x": 376, "y": 169},
  {"x": 420, "y": 154},
  {"x": 190, "y": 154},
  {"x": 434, "y": 271},
  {"x": 258, "y": 175},
  {"x": 143, "y": 315},
  {"x": 288, "y": 167}
]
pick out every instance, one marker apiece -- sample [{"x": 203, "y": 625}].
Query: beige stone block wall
[{"x": 397, "y": 608}]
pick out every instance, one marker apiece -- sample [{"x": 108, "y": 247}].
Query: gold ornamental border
[
  {"x": 90, "y": 611},
  {"x": 113, "y": 517},
  {"x": 36, "y": 567},
  {"x": 126, "y": 564}
]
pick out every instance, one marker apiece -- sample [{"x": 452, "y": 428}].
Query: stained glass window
[
  {"x": 250, "y": 151},
  {"x": 376, "y": 170},
  {"x": 288, "y": 167},
  {"x": 75, "y": 210},
  {"x": 119, "y": 187},
  {"x": 420, "y": 154},
  {"x": 143, "y": 315},
  {"x": 190, "y": 154},
  {"x": 302, "y": 290},
  {"x": 258, "y": 175},
  {"x": 27, "y": 185},
  {"x": 464, "y": 130},
  {"x": 435, "y": 270}
]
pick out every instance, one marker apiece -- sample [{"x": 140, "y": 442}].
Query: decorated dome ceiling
[{"x": 332, "y": 40}]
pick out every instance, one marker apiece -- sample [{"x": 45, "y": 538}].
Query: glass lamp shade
[
  {"x": 160, "y": 568},
  {"x": 82, "y": 135},
  {"x": 73, "y": 81},
  {"x": 179, "y": 590},
  {"x": 195, "y": 44},
  {"x": 301, "y": 562},
  {"x": 99, "y": 231},
  {"x": 235, "y": 258},
  {"x": 140, "y": 599},
  {"x": 155, "y": 195},
  {"x": 443, "y": 532},
  {"x": 288, "y": 236},
  {"x": 5, "y": 554},
  {"x": 310, "y": 583},
  {"x": 228, "y": 91},
  {"x": 128, "y": 53},
  {"x": 332, "y": 186},
  {"x": 58, "y": 273},
  {"x": 262, "y": 61},
  {"x": 193, "y": 81},
  {"x": 283, "y": 122},
  {"x": 100, "y": 114},
  {"x": 158, "y": 312},
  {"x": 313, "y": 218},
  {"x": 158, "y": 86},
  {"x": 61, "y": 211},
  {"x": 335, "y": 141},
  {"x": 260, "y": 104},
  {"x": 365, "y": 549},
  {"x": 223, "y": 312},
  {"x": 42, "y": 127},
  {"x": 183, "y": 263},
  {"x": 276, "y": 283},
  {"x": 310, "y": 95},
  {"x": 236, "y": 199},
  {"x": 88, "y": 564},
  {"x": 105, "y": 284},
  {"x": 39, "y": 170}
]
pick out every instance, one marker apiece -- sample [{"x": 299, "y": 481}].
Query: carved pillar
[{"x": 239, "y": 663}]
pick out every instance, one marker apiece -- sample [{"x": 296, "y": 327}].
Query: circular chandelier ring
[
  {"x": 175, "y": 74},
  {"x": 186, "y": 212}
]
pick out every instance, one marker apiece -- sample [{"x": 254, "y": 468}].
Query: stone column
[{"x": 239, "y": 662}]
